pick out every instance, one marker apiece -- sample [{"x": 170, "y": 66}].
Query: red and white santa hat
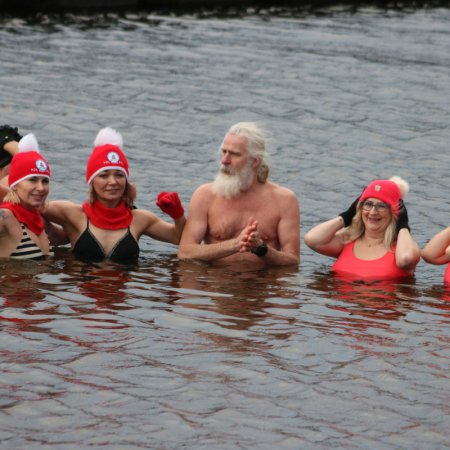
[
  {"x": 388, "y": 191},
  {"x": 107, "y": 154},
  {"x": 27, "y": 162}
]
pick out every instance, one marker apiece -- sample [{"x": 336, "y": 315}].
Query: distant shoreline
[{"x": 22, "y": 6}]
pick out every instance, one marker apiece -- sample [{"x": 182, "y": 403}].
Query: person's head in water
[
  {"x": 29, "y": 175},
  {"x": 108, "y": 162},
  {"x": 242, "y": 160}
]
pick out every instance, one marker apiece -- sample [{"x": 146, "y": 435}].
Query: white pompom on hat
[
  {"x": 107, "y": 154},
  {"x": 389, "y": 191},
  {"x": 27, "y": 162}
]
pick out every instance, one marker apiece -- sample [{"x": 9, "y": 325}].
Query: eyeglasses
[{"x": 379, "y": 207}]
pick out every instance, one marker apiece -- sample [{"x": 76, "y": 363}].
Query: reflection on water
[
  {"x": 93, "y": 353},
  {"x": 169, "y": 354},
  {"x": 387, "y": 300}
]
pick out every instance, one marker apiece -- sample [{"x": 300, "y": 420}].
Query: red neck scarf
[
  {"x": 108, "y": 218},
  {"x": 32, "y": 219}
]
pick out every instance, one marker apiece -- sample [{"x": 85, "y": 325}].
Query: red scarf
[
  {"x": 31, "y": 218},
  {"x": 108, "y": 218}
]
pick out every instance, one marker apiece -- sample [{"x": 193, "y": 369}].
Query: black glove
[
  {"x": 7, "y": 134},
  {"x": 402, "y": 219},
  {"x": 348, "y": 215}
]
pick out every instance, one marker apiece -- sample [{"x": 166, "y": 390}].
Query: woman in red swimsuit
[{"x": 371, "y": 239}]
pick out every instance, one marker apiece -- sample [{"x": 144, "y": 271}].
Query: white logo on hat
[
  {"x": 113, "y": 157},
  {"x": 377, "y": 187},
  {"x": 41, "y": 165}
]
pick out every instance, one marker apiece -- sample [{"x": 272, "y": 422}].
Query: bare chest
[{"x": 226, "y": 219}]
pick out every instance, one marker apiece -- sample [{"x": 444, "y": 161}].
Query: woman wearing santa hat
[
  {"x": 107, "y": 226},
  {"x": 371, "y": 239},
  {"x": 22, "y": 227}
]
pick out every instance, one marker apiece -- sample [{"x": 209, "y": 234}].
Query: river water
[{"x": 169, "y": 354}]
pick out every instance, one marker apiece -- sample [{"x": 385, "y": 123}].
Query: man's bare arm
[{"x": 288, "y": 234}]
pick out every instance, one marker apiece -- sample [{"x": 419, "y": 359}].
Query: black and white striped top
[{"x": 27, "y": 248}]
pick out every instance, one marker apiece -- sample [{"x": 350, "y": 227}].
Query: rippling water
[{"x": 169, "y": 354}]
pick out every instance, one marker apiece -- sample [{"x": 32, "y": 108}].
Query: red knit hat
[
  {"x": 27, "y": 162},
  {"x": 107, "y": 154},
  {"x": 385, "y": 190}
]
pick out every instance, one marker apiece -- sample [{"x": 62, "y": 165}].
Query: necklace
[{"x": 373, "y": 244}]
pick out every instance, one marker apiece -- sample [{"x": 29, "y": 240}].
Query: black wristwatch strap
[{"x": 261, "y": 250}]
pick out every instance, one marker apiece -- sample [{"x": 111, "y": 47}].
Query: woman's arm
[
  {"x": 407, "y": 252},
  {"x": 437, "y": 250},
  {"x": 3, "y": 188},
  {"x": 9, "y": 148},
  {"x": 151, "y": 225},
  {"x": 68, "y": 215},
  {"x": 323, "y": 239},
  {"x": 56, "y": 234},
  {"x": 170, "y": 203}
]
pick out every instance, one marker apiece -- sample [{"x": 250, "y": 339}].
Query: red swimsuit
[
  {"x": 447, "y": 275},
  {"x": 380, "y": 268}
]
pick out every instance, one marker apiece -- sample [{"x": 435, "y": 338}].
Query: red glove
[{"x": 170, "y": 203}]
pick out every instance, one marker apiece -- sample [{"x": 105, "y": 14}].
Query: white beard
[{"x": 229, "y": 183}]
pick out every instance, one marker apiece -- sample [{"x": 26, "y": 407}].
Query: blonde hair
[
  {"x": 356, "y": 229},
  {"x": 11, "y": 197}
]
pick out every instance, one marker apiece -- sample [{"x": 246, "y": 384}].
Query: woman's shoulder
[
  {"x": 143, "y": 215},
  {"x": 65, "y": 204},
  {"x": 65, "y": 213},
  {"x": 7, "y": 221},
  {"x": 5, "y": 213},
  {"x": 65, "y": 207}
]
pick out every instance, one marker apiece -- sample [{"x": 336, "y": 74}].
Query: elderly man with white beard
[{"x": 242, "y": 216}]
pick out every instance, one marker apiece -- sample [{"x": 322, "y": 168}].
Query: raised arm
[
  {"x": 9, "y": 138},
  {"x": 170, "y": 203},
  {"x": 68, "y": 215},
  {"x": 151, "y": 225},
  {"x": 407, "y": 253},
  {"x": 3, "y": 187},
  {"x": 437, "y": 251},
  {"x": 7, "y": 150},
  {"x": 323, "y": 238}
]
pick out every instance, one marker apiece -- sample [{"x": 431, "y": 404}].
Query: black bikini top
[{"x": 88, "y": 248}]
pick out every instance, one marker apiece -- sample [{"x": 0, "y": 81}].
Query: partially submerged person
[
  {"x": 242, "y": 216},
  {"x": 372, "y": 238},
  {"x": 108, "y": 226},
  {"x": 437, "y": 251},
  {"x": 22, "y": 227}
]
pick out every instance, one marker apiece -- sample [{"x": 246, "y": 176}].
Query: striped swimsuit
[{"x": 27, "y": 248}]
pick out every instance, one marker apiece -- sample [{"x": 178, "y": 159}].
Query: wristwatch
[{"x": 261, "y": 250}]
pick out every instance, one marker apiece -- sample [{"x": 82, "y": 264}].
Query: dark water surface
[{"x": 169, "y": 354}]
